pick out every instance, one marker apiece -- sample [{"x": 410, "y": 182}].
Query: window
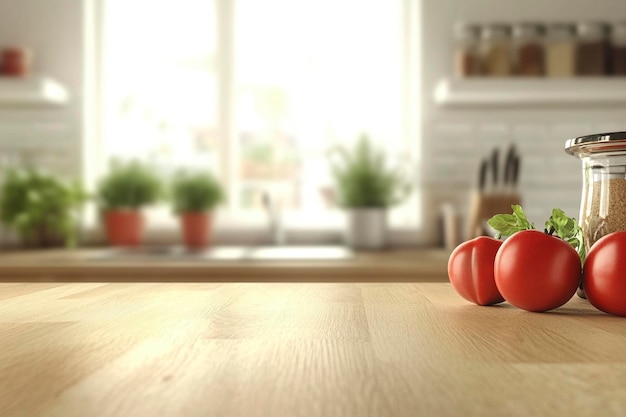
[
  {"x": 256, "y": 91},
  {"x": 160, "y": 82}
]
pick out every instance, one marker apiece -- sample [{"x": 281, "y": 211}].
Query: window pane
[
  {"x": 159, "y": 82},
  {"x": 308, "y": 75},
  {"x": 305, "y": 76}
]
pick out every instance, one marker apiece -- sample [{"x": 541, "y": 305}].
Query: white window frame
[{"x": 256, "y": 228}]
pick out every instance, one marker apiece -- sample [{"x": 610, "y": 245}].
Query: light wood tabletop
[
  {"x": 86, "y": 265},
  {"x": 300, "y": 349}
]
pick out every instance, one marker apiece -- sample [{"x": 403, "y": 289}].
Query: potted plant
[
  {"x": 122, "y": 193},
  {"x": 194, "y": 196},
  {"x": 365, "y": 186},
  {"x": 40, "y": 207}
]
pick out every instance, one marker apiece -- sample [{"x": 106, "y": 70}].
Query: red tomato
[
  {"x": 470, "y": 269},
  {"x": 604, "y": 274},
  {"x": 537, "y": 272}
]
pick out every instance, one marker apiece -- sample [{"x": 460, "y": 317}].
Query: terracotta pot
[
  {"x": 196, "y": 229},
  {"x": 124, "y": 227}
]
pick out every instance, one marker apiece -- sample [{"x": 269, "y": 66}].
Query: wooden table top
[
  {"x": 80, "y": 265},
  {"x": 300, "y": 349}
]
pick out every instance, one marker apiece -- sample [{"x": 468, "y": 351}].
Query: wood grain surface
[
  {"x": 79, "y": 265},
  {"x": 307, "y": 349}
]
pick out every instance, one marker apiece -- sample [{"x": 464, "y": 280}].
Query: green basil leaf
[{"x": 509, "y": 224}]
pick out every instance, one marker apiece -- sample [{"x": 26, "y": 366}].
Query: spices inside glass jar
[
  {"x": 467, "y": 59},
  {"x": 592, "y": 49},
  {"x": 528, "y": 50},
  {"x": 560, "y": 50},
  {"x": 618, "y": 48},
  {"x": 496, "y": 50}
]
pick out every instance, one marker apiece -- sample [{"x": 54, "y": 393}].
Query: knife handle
[
  {"x": 495, "y": 156},
  {"x": 482, "y": 175},
  {"x": 515, "y": 166},
  {"x": 509, "y": 161}
]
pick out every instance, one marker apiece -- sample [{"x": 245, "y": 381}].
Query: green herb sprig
[
  {"x": 567, "y": 229},
  {"x": 558, "y": 225},
  {"x": 508, "y": 224}
]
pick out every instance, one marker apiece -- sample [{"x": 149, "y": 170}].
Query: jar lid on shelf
[
  {"x": 596, "y": 143},
  {"x": 527, "y": 30},
  {"x": 560, "y": 31},
  {"x": 591, "y": 31},
  {"x": 618, "y": 31},
  {"x": 495, "y": 31},
  {"x": 466, "y": 31}
]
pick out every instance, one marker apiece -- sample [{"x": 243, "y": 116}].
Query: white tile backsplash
[
  {"x": 549, "y": 177},
  {"x": 51, "y": 145}
]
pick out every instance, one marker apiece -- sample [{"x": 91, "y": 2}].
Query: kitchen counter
[
  {"x": 307, "y": 349},
  {"x": 85, "y": 265}
]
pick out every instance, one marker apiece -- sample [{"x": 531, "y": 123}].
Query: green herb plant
[
  {"x": 362, "y": 178},
  {"x": 128, "y": 185},
  {"x": 195, "y": 192},
  {"x": 40, "y": 207},
  {"x": 559, "y": 225}
]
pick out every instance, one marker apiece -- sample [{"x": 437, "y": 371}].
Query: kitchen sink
[{"x": 225, "y": 253}]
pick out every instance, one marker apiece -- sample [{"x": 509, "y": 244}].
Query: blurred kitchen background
[{"x": 257, "y": 91}]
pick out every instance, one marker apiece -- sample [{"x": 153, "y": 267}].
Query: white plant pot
[{"x": 366, "y": 228}]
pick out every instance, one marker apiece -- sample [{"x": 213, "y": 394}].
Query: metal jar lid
[
  {"x": 466, "y": 31},
  {"x": 591, "y": 31},
  {"x": 618, "y": 32},
  {"x": 597, "y": 143},
  {"x": 496, "y": 31},
  {"x": 560, "y": 31},
  {"x": 527, "y": 30}
]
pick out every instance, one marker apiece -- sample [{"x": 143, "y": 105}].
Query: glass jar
[
  {"x": 467, "y": 60},
  {"x": 560, "y": 50},
  {"x": 591, "y": 51},
  {"x": 603, "y": 200},
  {"x": 528, "y": 50},
  {"x": 496, "y": 50},
  {"x": 618, "y": 48}
]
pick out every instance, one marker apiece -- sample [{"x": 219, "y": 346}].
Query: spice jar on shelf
[
  {"x": 560, "y": 45},
  {"x": 603, "y": 200},
  {"x": 592, "y": 49},
  {"x": 15, "y": 62},
  {"x": 495, "y": 50},
  {"x": 467, "y": 60},
  {"x": 618, "y": 48},
  {"x": 528, "y": 50}
]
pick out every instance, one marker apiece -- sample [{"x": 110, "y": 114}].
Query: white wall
[
  {"x": 454, "y": 140},
  {"x": 53, "y": 30}
]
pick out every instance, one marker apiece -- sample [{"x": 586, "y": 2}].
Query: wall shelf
[
  {"x": 451, "y": 92},
  {"x": 32, "y": 91}
]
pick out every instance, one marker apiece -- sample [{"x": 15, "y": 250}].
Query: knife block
[{"x": 483, "y": 206}]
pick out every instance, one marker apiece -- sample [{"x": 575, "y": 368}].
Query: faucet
[{"x": 277, "y": 232}]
